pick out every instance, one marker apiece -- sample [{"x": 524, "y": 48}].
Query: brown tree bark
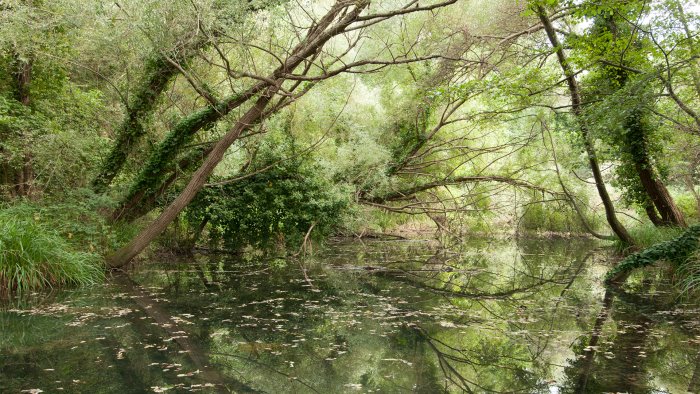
[
  {"x": 146, "y": 200},
  {"x": 652, "y": 214},
  {"x": 660, "y": 197},
  {"x": 577, "y": 107},
  {"x": 199, "y": 178},
  {"x": 637, "y": 145}
]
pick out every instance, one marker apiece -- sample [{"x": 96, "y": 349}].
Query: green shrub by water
[
  {"x": 678, "y": 250},
  {"x": 33, "y": 256}
]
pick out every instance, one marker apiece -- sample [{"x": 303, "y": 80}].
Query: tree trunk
[
  {"x": 160, "y": 73},
  {"x": 147, "y": 199},
  {"x": 577, "y": 107},
  {"x": 128, "y": 252},
  {"x": 313, "y": 42},
  {"x": 157, "y": 167},
  {"x": 161, "y": 70},
  {"x": 636, "y": 143},
  {"x": 23, "y": 78},
  {"x": 660, "y": 197},
  {"x": 652, "y": 214}
]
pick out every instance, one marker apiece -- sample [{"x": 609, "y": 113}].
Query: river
[{"x": 520, "y": 315}]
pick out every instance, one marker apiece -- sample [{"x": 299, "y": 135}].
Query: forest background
[{"x": 269, "y": 125}]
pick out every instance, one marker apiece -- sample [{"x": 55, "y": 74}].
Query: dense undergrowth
[
  {"x": 455, "y": 145},
  {"x": 57, "y": 242},
  {"x": 33, "y": 256},
  {"x": 680, "y": 251}
]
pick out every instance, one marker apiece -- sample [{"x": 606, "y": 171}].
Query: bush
[
  {"x": 271, "y": 209},
  {"x": 32, "y": 257}
]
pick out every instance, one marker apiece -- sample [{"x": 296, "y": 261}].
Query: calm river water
[{"x": 524, "y": 316}]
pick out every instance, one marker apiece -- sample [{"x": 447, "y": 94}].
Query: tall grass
[
  {"x": 647, "y": 235},
  {"x": 688, "y": 275},
  {"x": 34, "y": 256}
]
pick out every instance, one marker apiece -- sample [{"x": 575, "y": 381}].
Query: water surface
[{"x": 523, "y": 316}]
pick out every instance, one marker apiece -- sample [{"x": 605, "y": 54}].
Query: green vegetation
[
  {"x": 276, "y": 208},
  {"x": 347, "y": 194},
  {"x": 689, "y": 274},
  {"x": 33, "y": 256},
  {"x": 265, "y": 125},
  {"x": 678, "y": 251}
]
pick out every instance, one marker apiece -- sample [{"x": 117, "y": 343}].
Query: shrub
[
  {"x": 33, "y": 256},
  {"x": 677, "y": 250},
  {"x": 273, "y": 208}
]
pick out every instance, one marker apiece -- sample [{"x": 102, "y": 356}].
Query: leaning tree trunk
[
  {"x": 652, "y": 214},
  {"x": 161, "y": 70},
  {"x": 146, "y": 200},
  {"x": 314, "y": 41},
  {"x": 661, "y": 198},
  {"x": 122, "y": 256},
  {"x": 155, "y": 171},
  {"x": 158, "y": 75},
  {"x": 577, "y": 108}
]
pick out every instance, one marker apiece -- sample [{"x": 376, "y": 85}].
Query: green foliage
[
  {"x": 619, "y": 113},
  {"x": 78, "y": 216},
  {"x": 688, "y": 275},
  {"x": 688, "y": 205},
  {"x": 411, "y": 136},
  {"x": 551, "y": 217},
  {"x": 59, "y": 133},
  {"x": 162, "y": 158},
  {"x": 676, "y": 251},
  {"x": 648, "y": 235},
  {"x": 275, "y": 207},
  {"x": 158, "y": 75},
  {"x": 34, "y": 256}
]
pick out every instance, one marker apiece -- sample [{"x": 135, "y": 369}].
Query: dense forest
[{"x": 141, "y": 131}]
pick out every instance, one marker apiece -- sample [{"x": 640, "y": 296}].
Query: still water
[{"x": 517, "y": 316}]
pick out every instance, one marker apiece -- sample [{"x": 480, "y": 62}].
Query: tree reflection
[{"x": 509, "y": 317}]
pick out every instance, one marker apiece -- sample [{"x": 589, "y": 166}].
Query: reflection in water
[{"x": 488, "y": 316}]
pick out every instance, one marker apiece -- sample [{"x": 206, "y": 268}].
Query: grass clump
[
  {"x": 33, "y": 256},
  {"x": 650, "y": 235},
  {"x": 688, "y": 275}
]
